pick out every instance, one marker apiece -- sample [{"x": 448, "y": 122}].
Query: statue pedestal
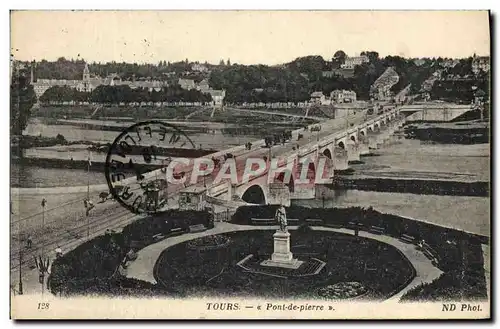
[{"x": 282, "y": 256}]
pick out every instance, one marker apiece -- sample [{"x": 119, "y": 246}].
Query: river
[
  {"x": 467, "y": 213},
  {"x": 207, "y": 135}
]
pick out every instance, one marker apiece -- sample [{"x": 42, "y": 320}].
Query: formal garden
[{"x": 355, "y": 266}]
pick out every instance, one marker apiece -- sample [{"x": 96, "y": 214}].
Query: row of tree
[
  {"x": 463, "y": 91},
  {"x": 22, "y": 99},
  {"x": 123, "y": 94}
]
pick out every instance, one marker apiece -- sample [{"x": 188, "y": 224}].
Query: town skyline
[
  {"x": 204, "y": 62},
  {"x": 214, "y": 35}
]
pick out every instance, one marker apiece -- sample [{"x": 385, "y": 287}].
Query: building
[
  {"x": 192, "y": 198},
  {"x": 381, "y": 88},
  {"x": 203, "y": 86},
  {"x": 89, "y": 83},
  {"x": 317, "y": 97},
  {"x": 402, "y": 96},
  {"x": 479, "y": 97},
  {"x": 41, "y": 85},
  {"x": 352, "y": 62},
  {"x": 217, "y": 96},
  {"x": 449, "y": 63},
  {"x": 480, "y": 64},
  {"x": 419, "y": 61},
  {"x": 328, "y": 74},
  {"x": 187, "y": 84},
  {"x": 343, "y": 96}
]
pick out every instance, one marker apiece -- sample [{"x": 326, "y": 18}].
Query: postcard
[{"x": 250, "y": 165}]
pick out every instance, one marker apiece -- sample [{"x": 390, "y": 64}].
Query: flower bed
[
  {"x": 342, "y": 290},
  {"x": 209, "y": 242}
]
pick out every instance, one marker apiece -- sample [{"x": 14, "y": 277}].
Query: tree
[
  {"x": 228, "y": 62},
  {"x": 339, "y": 56},
  {"x": 372, "y": 56},
  {"x": 22, "y": 99}
]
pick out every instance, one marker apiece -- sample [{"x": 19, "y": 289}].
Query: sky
[{"x": 245, "y": 37}]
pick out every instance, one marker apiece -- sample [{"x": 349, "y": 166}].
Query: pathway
[{"x": 142, "y": 267}]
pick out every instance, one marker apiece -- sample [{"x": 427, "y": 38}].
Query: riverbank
[
  {"x": 71, "y": 164},
  {"x": 414, "y": 186},
  {"x": 471, "y": 214},
  {"x": 464, "y": 132},
  {"x": 21, "y": 143},
  {"x": 413, "y": 159}
]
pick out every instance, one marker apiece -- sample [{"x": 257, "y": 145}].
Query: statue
[{"x": 280, "y": 217}]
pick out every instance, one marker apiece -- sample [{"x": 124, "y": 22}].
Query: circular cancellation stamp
[{"x": 137, "y": 163}]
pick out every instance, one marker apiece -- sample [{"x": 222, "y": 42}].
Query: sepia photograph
[{"x": 205, "y": 164}]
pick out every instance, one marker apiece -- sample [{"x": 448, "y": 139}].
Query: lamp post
[
  {"x": 20, "y": 272},
  {"x": 44, "y": 203},
  {"x": 20, "y": 260},
  {"x": 88, "y": 204}
]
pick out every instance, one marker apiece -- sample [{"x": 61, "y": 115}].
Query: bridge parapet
[{"x": 372, "y": 122}]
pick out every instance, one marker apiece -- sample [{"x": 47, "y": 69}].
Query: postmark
[{"x": 137, "y": 161}]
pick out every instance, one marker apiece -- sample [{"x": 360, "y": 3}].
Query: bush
[
  {"x": 304, "y": 229},
  {"x": 60, "y": 139},
  {"x": 95, "y": 259},
  {"x": 91, "y": 266},
  {"x": 450, "y": 286}
]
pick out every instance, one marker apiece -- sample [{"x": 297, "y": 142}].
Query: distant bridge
[{"x": 435, "y": 111}]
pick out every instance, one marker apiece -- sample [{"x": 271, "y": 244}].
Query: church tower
[{"x": 86, "y": 73}]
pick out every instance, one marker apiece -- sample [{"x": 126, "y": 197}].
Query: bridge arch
[
  {"x": 353, "y": 138},
  {"x": 362, "y": 133},
  {"x": 341, "y": 144},
  {"x": 254, "y": 194},
  {"x": 377, "y": 125}
]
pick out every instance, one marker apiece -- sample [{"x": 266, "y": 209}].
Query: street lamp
[
  {"x": 20, "y": 272},
  {"x": 44, "y": 203}
]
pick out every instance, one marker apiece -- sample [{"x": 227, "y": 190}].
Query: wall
[{"x": 279, "y": 194}]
